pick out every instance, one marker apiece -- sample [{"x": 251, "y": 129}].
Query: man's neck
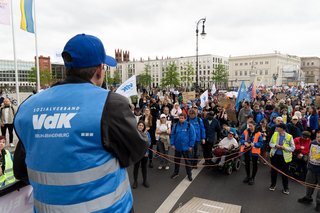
[{"x": 282, "y": 134}]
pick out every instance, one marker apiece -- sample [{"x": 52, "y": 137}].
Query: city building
[
  {"x": 207, "y": 65},
  {"x": 58, "y": 71},
  {"x": 311, "y": 69},
  {"x": 44, "y": 63},
  {"x": 7, "y": 73},
  {"x": 268, "y": 69}
]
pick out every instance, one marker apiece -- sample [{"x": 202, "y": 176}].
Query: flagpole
[
  {"x": 15, "y": 58},
  {"x": 36, "y": 44}
]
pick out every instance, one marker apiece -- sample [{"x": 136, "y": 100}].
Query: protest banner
[{"x": 188, "y": 96}]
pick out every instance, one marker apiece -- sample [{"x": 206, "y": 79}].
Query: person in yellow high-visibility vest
[
  {"x": 6, "y": 172},
  {"x": 282, "y": 146}
]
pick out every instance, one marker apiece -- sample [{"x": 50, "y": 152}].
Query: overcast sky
[{"x": 167, "y": 27}]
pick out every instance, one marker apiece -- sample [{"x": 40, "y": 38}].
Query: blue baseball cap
[{"x": 84, "y": 51}]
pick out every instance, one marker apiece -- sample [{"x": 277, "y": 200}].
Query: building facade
[
  {"x": 267, "y": 69},
  {"x": 58, "y": 71},
  {"x": 44, "y": 63},
  {"x": 7, "y": 73},
  {"x": 311, "y": 69},
  {"x": 207, "y": 65}
]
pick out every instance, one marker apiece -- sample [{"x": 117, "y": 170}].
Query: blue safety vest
[{"x": 68, "y": 167}]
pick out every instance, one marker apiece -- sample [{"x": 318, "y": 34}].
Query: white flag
[
  {"x": 5, "y": 12},
  {"x": 129, "y": 87},
  {"x": 204, "y": 98},
  {"x": 213, "y": 89}
]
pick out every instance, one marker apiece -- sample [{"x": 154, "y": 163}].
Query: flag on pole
[
  {"x": 242, "y": 94},
  {"x": 5, "y": 12},
  {"x": 249, "y": 91},
  {"x": 26, "y": 16},
  {"x": 213, "y": 89},
  {"x": 254, "y": 89},
  {"x": 204, "y": 98},
  {"x": 129, "y": 87}
]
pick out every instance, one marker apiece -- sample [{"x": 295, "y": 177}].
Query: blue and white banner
[
  {"x": 129, "y": 87},
  {"x": 204, "y": 98}
]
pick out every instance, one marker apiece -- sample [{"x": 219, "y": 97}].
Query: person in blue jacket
[
  {"x": 200, "y": 134},
  {"x": 251, "y": 139},
  {"x": 312, "y": 122},
  {"x": 258, "y": 114},
  {"x": 76, "y": 139},
  {"x": 213, "y": 133},
  {"x": 183, "y": 137}
]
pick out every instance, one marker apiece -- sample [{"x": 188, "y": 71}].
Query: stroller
[{"x": 228, "y": 166}]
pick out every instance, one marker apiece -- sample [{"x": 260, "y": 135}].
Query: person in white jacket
[{"x": 175, "y": 112}]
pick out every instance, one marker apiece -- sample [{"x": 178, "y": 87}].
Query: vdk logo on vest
[{"x": 55, "y": 121}]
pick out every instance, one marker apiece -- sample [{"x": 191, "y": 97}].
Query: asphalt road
[{"x": 213, "y": 184}]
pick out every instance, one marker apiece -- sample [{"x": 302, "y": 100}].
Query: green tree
[
  {"x": 116, "y": 77},
  {"x": 171, "y": 77},
  {"x": 220, "y": 75},
  {"x": 188, "y": 72},
  {"x": 46, "y": 78},
  {"x": 145, "y": 78},
  {"x": 109, "y": 79},
  {"x": 32, "y": 75}
]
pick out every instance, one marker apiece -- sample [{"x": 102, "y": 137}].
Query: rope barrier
[
  {"x": 309, "y": 185},
  {"x": 170, "y": 157},
  {"x": 193, "y": 159}
]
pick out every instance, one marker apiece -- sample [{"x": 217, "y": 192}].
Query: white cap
[{"x": 163, "y": 116}]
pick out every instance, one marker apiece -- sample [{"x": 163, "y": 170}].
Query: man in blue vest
[{"x": 76, "y": 138}]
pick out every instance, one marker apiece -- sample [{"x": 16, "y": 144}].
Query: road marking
[
  {"x": 175, "y": 195},
  {"x": 216, "y": 207},
  {"x": 202, "y": 211}
]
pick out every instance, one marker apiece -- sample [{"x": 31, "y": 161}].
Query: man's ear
[{"x": 98, "y": 72}]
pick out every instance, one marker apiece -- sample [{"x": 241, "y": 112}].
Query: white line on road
[
  {"x": 216, "y": 207},
  {"x": 202, "y": 211},
  {"x": 168, "y": 204}
]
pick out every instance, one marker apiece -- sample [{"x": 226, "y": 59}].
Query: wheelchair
[{"x": 230, "y": 165}]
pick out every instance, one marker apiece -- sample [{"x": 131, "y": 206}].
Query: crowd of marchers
[{"x": 279, "y": 124}]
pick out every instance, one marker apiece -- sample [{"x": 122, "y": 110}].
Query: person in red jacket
[{"x": 301, "y": 152}]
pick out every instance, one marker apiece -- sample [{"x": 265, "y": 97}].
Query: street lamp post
[{"x": 203, "y": 34}]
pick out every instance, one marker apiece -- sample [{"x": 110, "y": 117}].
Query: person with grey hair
[{"x": 282, "y": 146}]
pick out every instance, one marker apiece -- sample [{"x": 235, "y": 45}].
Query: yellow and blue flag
[{"x": 26, "y": 16}]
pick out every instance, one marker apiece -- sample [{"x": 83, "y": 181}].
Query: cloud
[{"x": 167, "y": 28}]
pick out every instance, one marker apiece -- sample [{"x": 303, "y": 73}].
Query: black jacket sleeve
[
  {"x": 19, "y": 164},
  {"x": 119, "y": 131}
]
